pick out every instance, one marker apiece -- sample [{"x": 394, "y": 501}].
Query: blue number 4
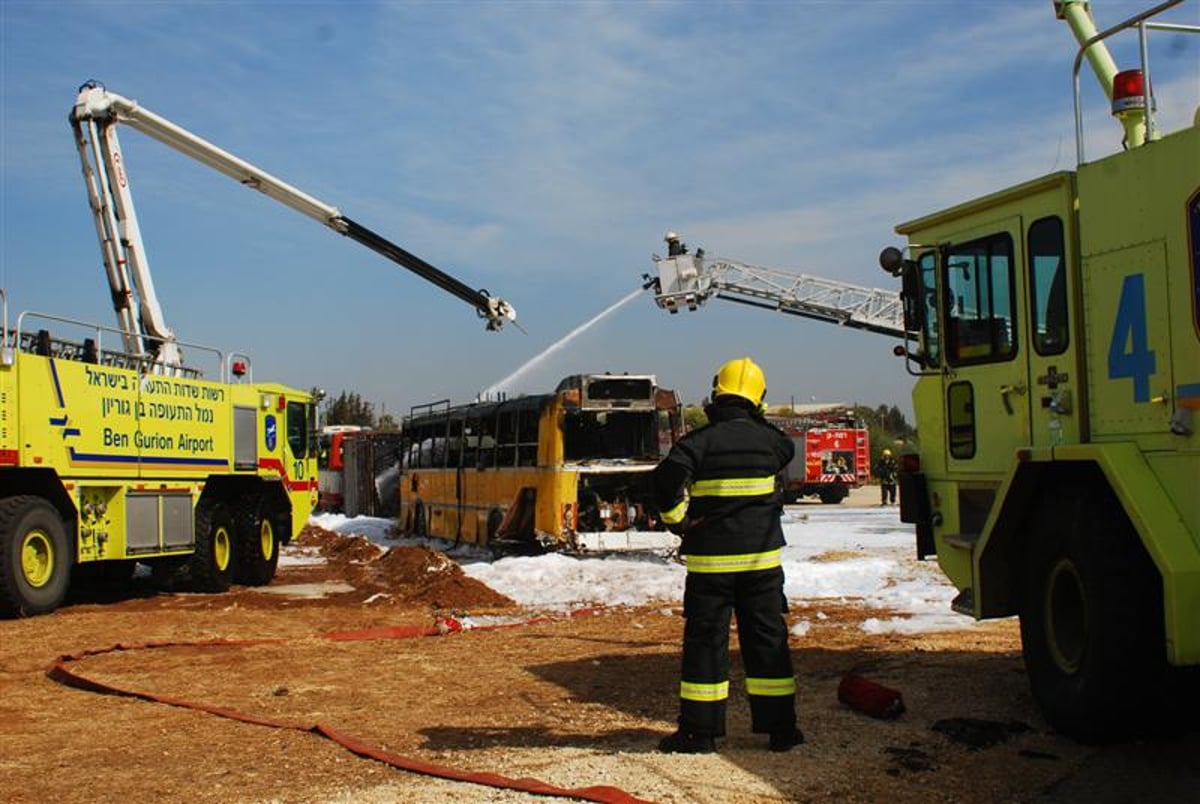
[{"x": 1129, "y": 354}]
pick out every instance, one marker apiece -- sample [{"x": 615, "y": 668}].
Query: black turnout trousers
[{"x": 757, "y": 598}]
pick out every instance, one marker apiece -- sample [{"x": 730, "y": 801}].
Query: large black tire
[
  {"x": 165, "y": 573},
  {"x": 832, "y": 495},
  {"x": 211, "y": 567},
  {"x": 35, "y": 559},
  {"x": 257, "y": 543},
  {"x": 1092, "y": 626},
  {"x": 102, "y": 579}
]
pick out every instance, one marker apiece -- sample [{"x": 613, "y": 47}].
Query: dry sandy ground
[{"x": 575, "y": 702}]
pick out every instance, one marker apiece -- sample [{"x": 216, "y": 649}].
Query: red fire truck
[
  {"x": 357, "y": 470},
  {"x": 833, "y": 454}
]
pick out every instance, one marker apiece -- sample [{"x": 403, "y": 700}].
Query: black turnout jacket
[{"x": 718, "y": 486}]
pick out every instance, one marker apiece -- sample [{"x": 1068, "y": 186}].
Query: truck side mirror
[
  {"x": 911, "y": 297},
  {"x": 891, "y": 259}
]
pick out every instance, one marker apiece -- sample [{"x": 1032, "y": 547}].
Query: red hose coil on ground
[{"x": 604, "y": 794}]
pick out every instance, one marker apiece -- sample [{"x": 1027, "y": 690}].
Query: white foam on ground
[{"x": 861, "y": 556}]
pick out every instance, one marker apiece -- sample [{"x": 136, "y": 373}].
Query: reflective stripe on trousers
[
  {"x": 692, "y": 691},
  {"x": 771, "y": 686}
]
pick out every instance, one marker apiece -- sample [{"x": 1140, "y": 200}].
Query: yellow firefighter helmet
[
  {"x": 741, "y": 377},
  {"x": 887, "y": 452}
]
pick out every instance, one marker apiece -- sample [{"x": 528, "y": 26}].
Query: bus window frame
[{"x": 528, "y": 422}]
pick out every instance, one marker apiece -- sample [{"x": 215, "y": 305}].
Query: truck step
[
  {"x": 965, "y": 541},
  {"x": 964, "y": 603}
]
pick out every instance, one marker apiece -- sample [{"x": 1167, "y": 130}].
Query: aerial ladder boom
[
  {"x": 689, "y": 280},
  {"x": 95, "y": 117}
]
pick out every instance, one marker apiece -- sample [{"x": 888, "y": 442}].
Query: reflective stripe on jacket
[{"x": 722, "y": 477}]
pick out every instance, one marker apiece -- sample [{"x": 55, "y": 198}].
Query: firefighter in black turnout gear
[{"x": 717, "y": 489}]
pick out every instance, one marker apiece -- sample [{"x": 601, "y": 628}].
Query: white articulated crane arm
[
  {"x": 689, "y": 280},
  {"x": 95, "y": 117}
]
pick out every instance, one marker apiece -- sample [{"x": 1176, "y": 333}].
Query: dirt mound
[
  {"x": 403, "y": 575},
  {"x": 419, "y": 574},
  {"x": 351, "y": 547}
]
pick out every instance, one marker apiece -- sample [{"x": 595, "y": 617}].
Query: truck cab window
[
  {"x": 297, "y": 428},
  {"x": 960, "y": 412},
  {"x": 1194, "y": 231},
  {"x": 931, "y": 348},
  {"x": 1048, "y": 286},
  {"x": 980, "y": 319}
]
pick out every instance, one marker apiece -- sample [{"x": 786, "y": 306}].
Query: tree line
[{"x": 351, "y": 408}]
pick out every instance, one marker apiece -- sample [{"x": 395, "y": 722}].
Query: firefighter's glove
[{"x": 681, "y": 528}]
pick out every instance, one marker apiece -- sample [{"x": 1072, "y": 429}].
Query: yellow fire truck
[
  {"x": 113, "y": 450},
  {"x": 1054, "y": 330}
]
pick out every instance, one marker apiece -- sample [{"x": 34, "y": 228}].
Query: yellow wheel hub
[
  {"x": 266, "y": 539},
  {"x": 37, "y": 558},
  {"x": 222, "y": 549},
  {"x": 1066, "y": 617}
]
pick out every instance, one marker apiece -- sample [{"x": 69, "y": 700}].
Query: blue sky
[{"x": 539, "y": 150}]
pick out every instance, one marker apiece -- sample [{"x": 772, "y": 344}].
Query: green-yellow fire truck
[{"x": 1054, "y": 328}]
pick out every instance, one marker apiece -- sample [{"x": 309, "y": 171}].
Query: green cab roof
[{"x": 983, "y": 203}]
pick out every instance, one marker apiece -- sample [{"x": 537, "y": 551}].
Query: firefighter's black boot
[
  {"x": 685, "y": 742},
  {"x": 786, "y": 740}
]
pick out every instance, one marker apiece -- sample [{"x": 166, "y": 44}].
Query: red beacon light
[
  {"x": 239, "y": 368},
  {"x": 1129, "y": 92}
]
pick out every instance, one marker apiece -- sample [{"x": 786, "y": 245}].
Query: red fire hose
[{"x": 604, "y": 794}]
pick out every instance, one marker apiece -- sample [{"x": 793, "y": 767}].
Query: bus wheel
[
  {"x": 1092, "y": 630},
  {"x": 35, "y": 562},
  {"x": 419, "y": 526},
  {"x": 210, "y": 568},
  {"x": 495, "y": 519},
  {"x": 257, "y": 543}
]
